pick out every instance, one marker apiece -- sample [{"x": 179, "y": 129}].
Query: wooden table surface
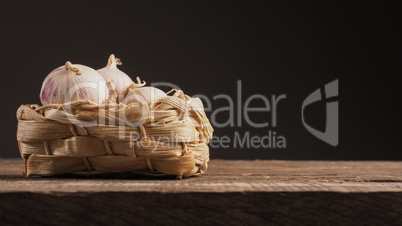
[{"x": 232, "y": 192}]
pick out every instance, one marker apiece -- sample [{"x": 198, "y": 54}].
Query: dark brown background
[{"x": 205, "y": 47}]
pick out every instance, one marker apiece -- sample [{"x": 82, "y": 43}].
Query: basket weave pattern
[{"x": 168, "y": 136}]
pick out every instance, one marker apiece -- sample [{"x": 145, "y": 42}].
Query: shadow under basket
[{"x": 168, "y": 136}]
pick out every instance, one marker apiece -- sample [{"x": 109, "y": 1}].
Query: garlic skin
[
  {"x": 143, "y": 94},
  {"x": 119, "y": 79},
  {"x": 72, "y": 82}
]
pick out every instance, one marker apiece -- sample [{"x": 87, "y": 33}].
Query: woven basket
[{"x": 169, "y": 136}]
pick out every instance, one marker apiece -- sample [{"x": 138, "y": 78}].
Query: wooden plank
[
  {"x": 266, "y": 208},
  {"x": 231, "y": 192},
  {"x": 224, "y": 176}
]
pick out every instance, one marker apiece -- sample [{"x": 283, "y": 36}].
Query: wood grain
[{"x": 231, "y": 192}]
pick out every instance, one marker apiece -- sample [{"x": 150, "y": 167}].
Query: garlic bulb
[
  {"x": 136, "y": 92},
  {"x": 73, "y": 82},
  {"x": 113, "y": 75}
]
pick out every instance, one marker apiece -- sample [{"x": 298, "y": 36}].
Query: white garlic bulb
[
  {"x": 120, "y": 80},
  {"x": 72, "y": 82},
  {"x": 137, "y": 92}
]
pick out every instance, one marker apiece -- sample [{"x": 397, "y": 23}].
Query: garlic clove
[
  {"x": 143, "y": 94},
  {"x": 73, "y": 82},
  {"x": 116, "y": 77}
]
